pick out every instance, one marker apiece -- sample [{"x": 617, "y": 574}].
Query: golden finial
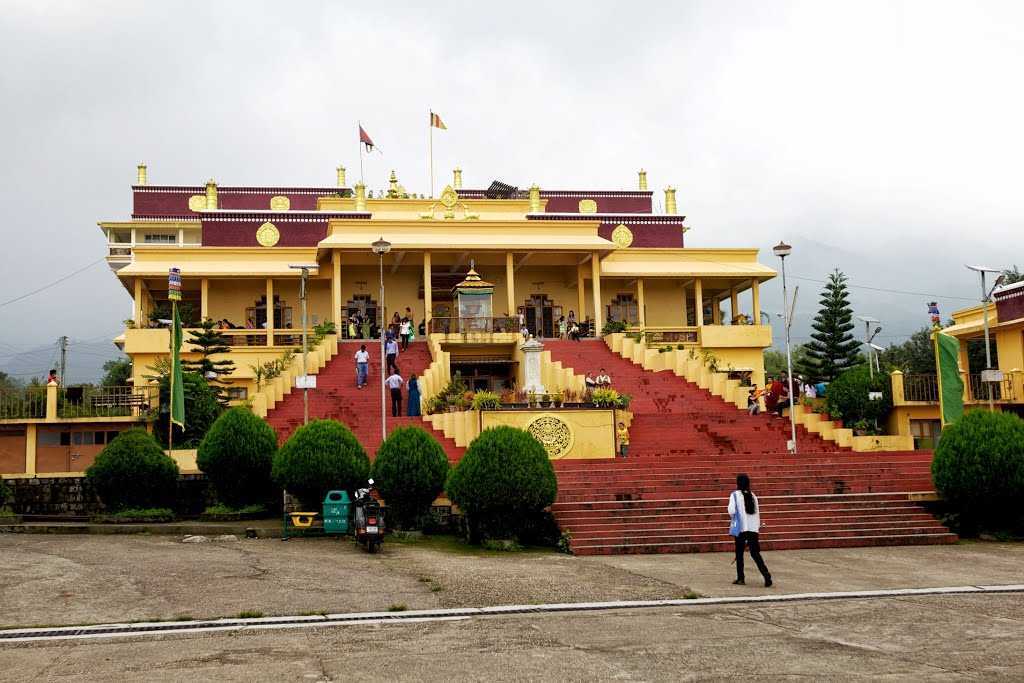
[
  {"x": 534, "y": 199},
  {"x": 643, "y": 179},
  {"x": 457, "y": 179},
  {"x": 341, "y": 176},
  {"x": 394, "y": 192},
  {"x": 141, "y": 177},
  {"x": 670, "y": 199},
  {"x": 211, "y": 195},
  {"x": 360, "y": 197}
]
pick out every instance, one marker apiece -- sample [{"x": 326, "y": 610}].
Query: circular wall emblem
[
  {"x": 268, "y": 235},
  {"x": 622, "y": 236},
  {"x": 554, "y": 433},
  {"x": 449, "y": 197},
  {"x": 280, "y": 203},
  {"x": 588, "y": 206},
  {"x": 197, "y": 202}
]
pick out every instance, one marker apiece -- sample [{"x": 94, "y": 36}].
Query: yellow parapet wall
[{"x": 567, "y": 434}]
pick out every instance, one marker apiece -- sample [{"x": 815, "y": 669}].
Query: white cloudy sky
[{"x": 880, "y": 137}]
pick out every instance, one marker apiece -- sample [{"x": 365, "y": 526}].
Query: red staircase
[
  {"x": 686, "y": 447},
  {"x": 336, "y": 397}
]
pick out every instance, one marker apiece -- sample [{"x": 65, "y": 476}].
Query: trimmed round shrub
[
  {"x": 847, "y": 397},
  {"x": 409, "y": 471},
  {"x": 319, "y": 457},
  {"x": 134, "y": 472},
  {"x": 502, "y": 484},
  {"x": 237, "y": 454},
  {"x": 978, "y": 468}
]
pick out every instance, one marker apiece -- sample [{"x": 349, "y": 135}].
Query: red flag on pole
[{"x": 364, "y": 138}]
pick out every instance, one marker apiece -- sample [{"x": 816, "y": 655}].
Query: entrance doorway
[
  {"x": 542, "y": 315},
  {"x": 365, "y": 307}
]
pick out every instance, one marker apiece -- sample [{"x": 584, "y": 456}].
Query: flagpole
[
  {"x": 360, "y": 143},
  {"x": 170, "y": 384},
  {"x": 430, "y": 147}
]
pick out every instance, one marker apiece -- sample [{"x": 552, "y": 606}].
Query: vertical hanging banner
[
  {"x": 177, "y": 390},
  {"x": 951, "y": 385}
]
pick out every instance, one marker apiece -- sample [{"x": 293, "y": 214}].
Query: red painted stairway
[
  {"x": 686, "y": 448},
  {"x": 336, "y": 397}
]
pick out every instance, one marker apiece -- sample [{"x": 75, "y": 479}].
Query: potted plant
[
  {"x": 557, "y": 399},
  {"x": 605, "y": 398}
]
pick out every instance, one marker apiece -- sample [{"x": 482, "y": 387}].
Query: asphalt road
[{"x": 916, "y": 638}]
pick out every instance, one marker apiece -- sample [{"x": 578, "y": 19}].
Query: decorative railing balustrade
[
  {"x": 23, "y": 402},
  {"x": 93, "y": 401},
  {"x": 921, "y": 388}
]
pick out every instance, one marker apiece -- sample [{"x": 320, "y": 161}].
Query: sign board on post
[
  {"x": 305, "y": 382},
  {"x": 874, "y": 395},
  {"x": 991, "y": 375}
]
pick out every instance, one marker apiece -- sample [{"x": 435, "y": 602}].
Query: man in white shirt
[
  {"x": 391, "y": 351},
  {"x": 362, "y": 366},
  {"x": 394, "y": 384},
  {"x": 603, "y": 379}
]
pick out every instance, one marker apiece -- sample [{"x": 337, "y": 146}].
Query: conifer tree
[
  {"x": 832, "y": 348},
  {"x": 209, "y": 342}
]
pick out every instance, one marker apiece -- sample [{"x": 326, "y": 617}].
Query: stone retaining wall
[{"x": 74, "y": 496}]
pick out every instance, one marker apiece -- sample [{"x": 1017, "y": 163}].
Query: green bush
[
  {"x": 503, "y": 482},
  {"x": 6, "y": 495},
  {"x": 613, "y": 326},
  {"x": 410, "y": 471},
  {"x": 979, "y": 468},
  {"x": 237, "y": 454},
  {"x": 486, "y": 400},
  {"x": 201, "y": 409},
  {"x": 319, "y": 457},
  {"x": 605, "y": 398},
  {"x": 133, "y": 471},
  {"x": 847, "y": 397}
]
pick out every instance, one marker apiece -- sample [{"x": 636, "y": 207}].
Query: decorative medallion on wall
[
  {"x": 588, "y": 206},
  {"x": 554, "y": 433},
  {"x": 197, "y": 202},
  {"x": 622, "y": 236},
  {"x": 268, "y": 235},
  {"x": 280, "y": 203},
  {"x": 449, "y": 197}
]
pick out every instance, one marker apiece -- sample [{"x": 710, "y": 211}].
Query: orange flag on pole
[{"x": 436, "y": 122}]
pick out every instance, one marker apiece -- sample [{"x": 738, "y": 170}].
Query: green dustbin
[{"x": 336, "y": 508}]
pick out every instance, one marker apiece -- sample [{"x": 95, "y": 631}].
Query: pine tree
[
  {"x": 833, "y": 348},
  {"x": 209, "y": 342}
]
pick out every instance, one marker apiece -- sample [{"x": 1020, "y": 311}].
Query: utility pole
[{"x": 63, "y": 341}]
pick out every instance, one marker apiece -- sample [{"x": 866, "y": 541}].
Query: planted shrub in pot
[
  {"x": 410, "y": 471},
  {"x": 502, "y": 483}
]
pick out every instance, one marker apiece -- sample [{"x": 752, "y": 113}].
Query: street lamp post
[
  {"x": 782, "y": 250},
  {"x": 305, "y": 268},
  {"x": 869, "y": 337},
  {"x": 381, "y": 247},
  {"x": 986, "y": 296}
]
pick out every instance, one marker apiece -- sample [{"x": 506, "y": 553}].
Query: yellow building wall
[
  {"x": 665, "y": 303},
  {"x": 401, "y": 288},
  {"x": 593, "y": 431},
  {"x": 557, "y": 282},
  {"x": 1010, "y": 344}
]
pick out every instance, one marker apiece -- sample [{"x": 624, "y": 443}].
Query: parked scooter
[{"x": 368, "y": 519}]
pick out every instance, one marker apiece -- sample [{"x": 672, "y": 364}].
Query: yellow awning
[{"x": 730, "y": 263}]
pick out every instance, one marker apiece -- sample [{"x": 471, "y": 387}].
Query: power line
[
  {"x": 889, "y": 291},
  {"x": 55, "y": 282}
]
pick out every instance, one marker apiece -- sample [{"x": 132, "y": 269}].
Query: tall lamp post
[
  {"x": 381, "y": 247},
  {"x": 869, "y": 337},
  {"x": 305, "y": 268},
  {"x": 782, "y": 250},
  {"x": 986, "y": 296}
]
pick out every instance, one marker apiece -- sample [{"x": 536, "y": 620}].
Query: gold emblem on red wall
[
  {"x": 622, "y": 236},
  {"x": 268, "y": 235},
  {"x": 280, "y": 203},
  {"x": 197, "y": 202},
  {"x": 588, "y": 206}
]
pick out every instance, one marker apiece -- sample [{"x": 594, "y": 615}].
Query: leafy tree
[
  {"x": 318, "y": 457},
  {"x": 209, "y": 341},
  {"x": 7, "y": 381},
  {"x": 1012, "y": 276},
  {"x": 847, "y": 397},
  {"x": 117, "y": 372},
  {"x": 201, "y": 409},
  {"x": 916, "y": 355},
  {"x": 775, "y": 361},
  {"x": 979, "y": 468},
  {"x": 833, "y": 348},
  {"x": 237, "y": 454},
  {"x": 409, "y": 471},
  {"x": 132, "y": 471},
  {"x": 502, "y": 483}
]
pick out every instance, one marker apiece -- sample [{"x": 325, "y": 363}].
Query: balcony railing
[
  {"x": 468, "y": 325},
  {"x": 92, "y": 401},
  {"x": 921, "y": 388},
  {"x": 25, "y": 402},
  {"x": 978, "y": 390},
  {"x": 680, "y": 335}
]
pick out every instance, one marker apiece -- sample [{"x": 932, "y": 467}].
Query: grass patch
[
  {"x": 136, "y": 515},
  {"x": 455, "y": 545},
  {"x": 397, "y": 607},
  {"x": 250, "y": 614},
  {"x": 221, "y": 509},
  {"x": 313, "y": 613}
]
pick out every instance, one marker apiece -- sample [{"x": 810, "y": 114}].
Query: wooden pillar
[
  {"x": 510, "y": 282},
  {"x": 716, "y": 311},
  {"x": 204, "y": 299},
  {"x": 595, "y": 273},
  {"x": 698, "y": 302},
  {"x": 270, "y": 311},
  {"x": 734, "y": 303},
  {"x": 581, "y": 292},
  {"x": 755, "y": 296},
  {"x": 137, "y": 315},
  {"x": 336, "y": 317},
  {"x": 641, "y": 306},
  {"x": 428, "y": 299}
]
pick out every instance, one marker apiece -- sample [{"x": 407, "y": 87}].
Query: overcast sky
[{"x": 883, "y": 138}]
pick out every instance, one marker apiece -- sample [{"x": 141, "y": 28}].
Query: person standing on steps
[
  {"x": 394, "y": 384},
  {"x": 391, "y": 350},
  {"x": 413, "y": 409},
  {"x": 362, "y": 366},
  {"x": 623, "y": 435},
  {"x": 405, "y": 331},
  {"x": 744, "y": 526}
]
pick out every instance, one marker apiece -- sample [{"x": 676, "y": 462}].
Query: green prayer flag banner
[
  {"x": 177, "y": 387},
  {"x": 951, "y": 385}
]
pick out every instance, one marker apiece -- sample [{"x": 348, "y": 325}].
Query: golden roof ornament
[{"x": 473, "y": 280}]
